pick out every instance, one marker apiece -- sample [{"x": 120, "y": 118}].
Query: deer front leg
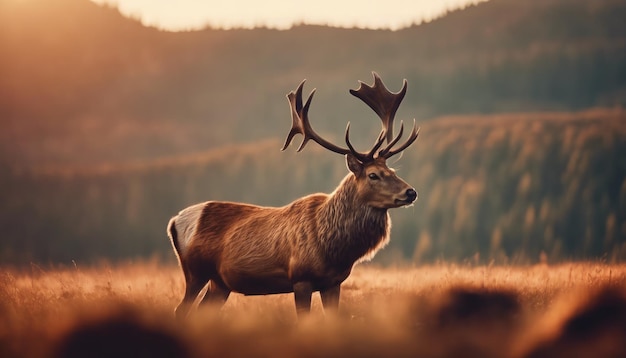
[
  {"x": 302, "y": 293},
  {"x": 330, "y": 299}
]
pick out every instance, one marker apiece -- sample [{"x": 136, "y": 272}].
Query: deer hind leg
[
  {"x": 302, "y": 294},
  {"x": 216, "y": 294},
  {"x": 193, "y": 286}
]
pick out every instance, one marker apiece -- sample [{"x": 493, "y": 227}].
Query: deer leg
[
  {"x": 330, "y": 299},
  {"x": 216, "y": 294},
  {"x": 193, "y": 287},
  {"x": 302, "y": 293}
]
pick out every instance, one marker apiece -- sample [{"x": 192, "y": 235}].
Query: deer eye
[{"x": 373, "y": 176}]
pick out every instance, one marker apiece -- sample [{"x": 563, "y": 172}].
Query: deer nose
[{"x": 411, "y": 194}]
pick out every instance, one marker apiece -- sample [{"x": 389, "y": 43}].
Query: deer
[{"x": 310, "y": 245}]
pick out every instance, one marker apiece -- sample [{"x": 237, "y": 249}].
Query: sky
[{"x": 196, "y": 14}]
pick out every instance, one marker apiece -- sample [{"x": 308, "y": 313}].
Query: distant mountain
[{"x": 81, "y": 84}]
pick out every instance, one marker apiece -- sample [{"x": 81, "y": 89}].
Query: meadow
[{"x": 436, "y": 310}]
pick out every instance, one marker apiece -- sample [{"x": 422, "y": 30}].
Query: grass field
[{"x": 443, "y": 310}]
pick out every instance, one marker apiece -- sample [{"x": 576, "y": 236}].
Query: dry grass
[{"x": 443, "y": 310}]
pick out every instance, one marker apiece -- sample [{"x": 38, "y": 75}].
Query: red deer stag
[{"x": 308, "y": 245}]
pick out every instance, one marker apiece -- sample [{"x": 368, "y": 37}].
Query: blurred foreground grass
[{"x": 443, "y": 310}]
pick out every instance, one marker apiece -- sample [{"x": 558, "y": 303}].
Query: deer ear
[{"x": 354, "y": 164}]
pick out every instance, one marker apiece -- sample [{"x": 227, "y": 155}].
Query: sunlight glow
[{"x": 282, "y": 14}]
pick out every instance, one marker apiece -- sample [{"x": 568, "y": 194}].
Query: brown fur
[{"x": 308, "y": 245}]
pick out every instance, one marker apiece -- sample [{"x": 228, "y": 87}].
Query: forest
[
  {"x": 493, "y": 188},
  {"x": 111, "y": 127}
]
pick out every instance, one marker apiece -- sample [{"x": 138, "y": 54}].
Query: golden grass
[{"x": 443, "y": 310}]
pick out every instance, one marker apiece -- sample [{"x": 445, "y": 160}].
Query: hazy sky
[{"x": 193, "y": 14}]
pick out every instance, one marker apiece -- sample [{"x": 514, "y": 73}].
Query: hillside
[
  {"x": 498, "y": 188},
  {"x": 101, "y": 88}
]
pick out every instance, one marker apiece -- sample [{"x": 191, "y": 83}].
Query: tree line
[{"x": 497, "y": 187}]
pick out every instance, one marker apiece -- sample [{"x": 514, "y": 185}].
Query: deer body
[
  {"x": 308, "y": 245},
  {"x": 249, "y": 249}
]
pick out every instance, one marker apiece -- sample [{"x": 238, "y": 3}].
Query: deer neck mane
[{"x": 351, "y": 230}]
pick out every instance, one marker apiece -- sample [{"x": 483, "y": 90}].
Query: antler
[
  {"x": 300, "y": 125},
  {"x": 388, "y": 152},
  {"x": 385, "y": 103}
]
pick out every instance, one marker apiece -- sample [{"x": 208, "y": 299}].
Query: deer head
[{"x": 376, "y": 183}]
